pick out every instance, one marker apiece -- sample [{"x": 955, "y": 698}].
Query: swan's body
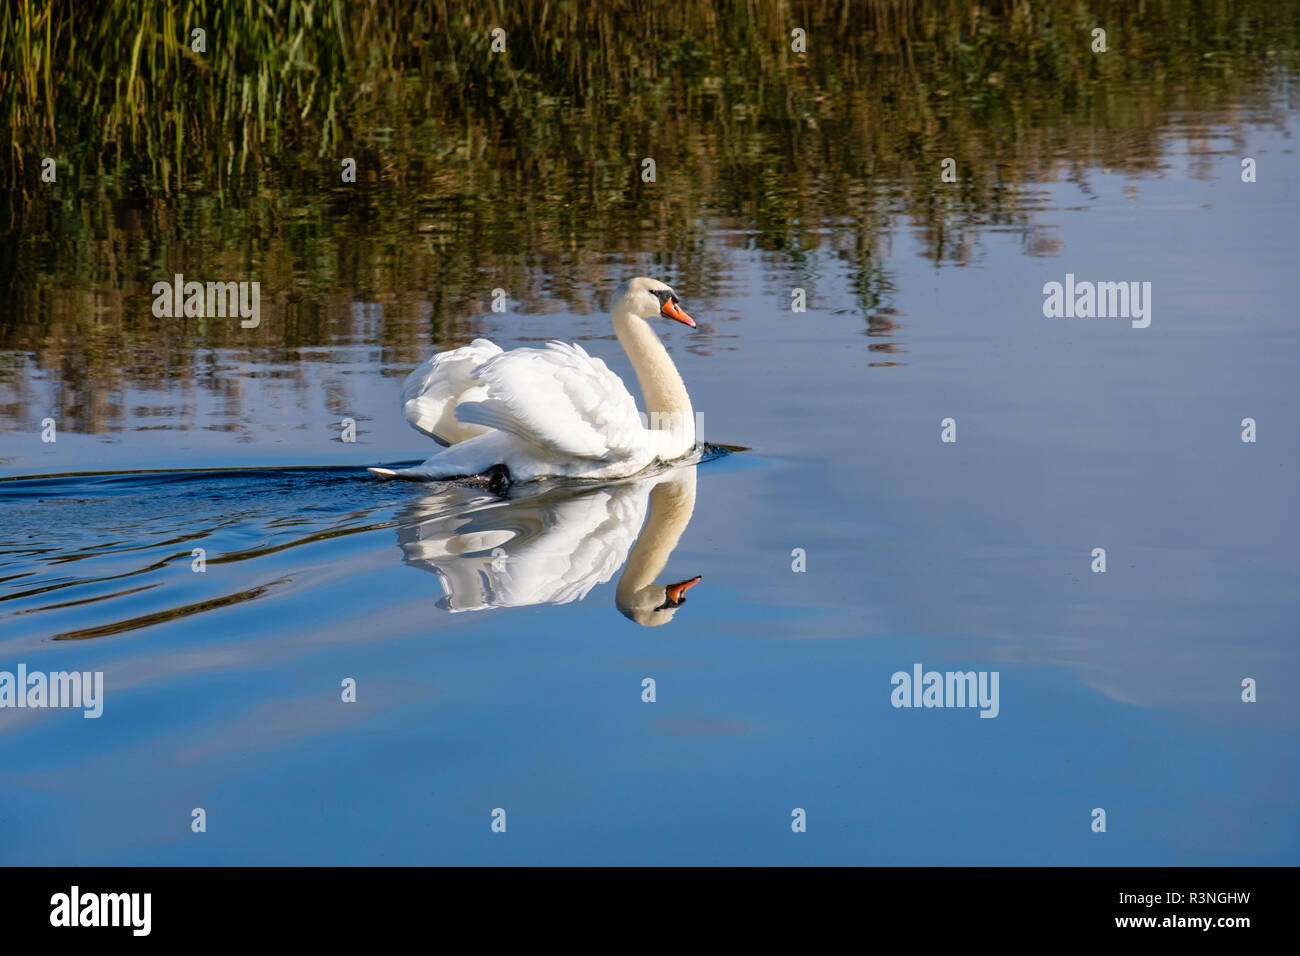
[{"x": 554, "y": 410}]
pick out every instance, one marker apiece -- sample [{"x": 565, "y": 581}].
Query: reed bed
[{"x": 115, "y": 89}]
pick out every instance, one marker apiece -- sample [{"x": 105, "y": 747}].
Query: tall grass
[{"x": 115, "y": 88}]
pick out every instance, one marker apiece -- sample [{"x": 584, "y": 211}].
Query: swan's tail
[
  {"x": 484, "y": 455},
  {"x": 418, "y": 473}
]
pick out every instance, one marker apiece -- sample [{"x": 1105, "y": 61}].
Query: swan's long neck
[
  {"x": 672, "y": 502},
  {"x": 668, "y": 406}
]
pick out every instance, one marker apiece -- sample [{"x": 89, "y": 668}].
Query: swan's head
[
  {"x": 656, "y": 604},
  {"x": 649, "y": 298}
]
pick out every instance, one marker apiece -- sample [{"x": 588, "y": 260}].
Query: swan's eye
[{"x": 664, "y": 296}]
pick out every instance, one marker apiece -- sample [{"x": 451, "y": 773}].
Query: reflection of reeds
[{"x": 225, "y": 163}]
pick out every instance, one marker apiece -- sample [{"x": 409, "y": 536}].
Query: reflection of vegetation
[{"x": 525, "y": 164}]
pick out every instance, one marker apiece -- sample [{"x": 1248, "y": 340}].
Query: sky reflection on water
[{"x": 1118, "y": 690}]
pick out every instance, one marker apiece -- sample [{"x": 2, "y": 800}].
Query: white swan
[{"x": 554, "y": 410}]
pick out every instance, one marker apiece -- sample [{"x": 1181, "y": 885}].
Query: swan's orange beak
[
  {"x": 677, "y": 592},
  {"x": 672, "y": 310}
]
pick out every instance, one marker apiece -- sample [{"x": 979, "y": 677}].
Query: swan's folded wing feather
[
  {"x": 559, "y": 399},
  {"x": 432, "y": 391}
]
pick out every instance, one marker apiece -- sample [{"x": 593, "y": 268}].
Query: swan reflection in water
[{"x": 554, "y": 544}]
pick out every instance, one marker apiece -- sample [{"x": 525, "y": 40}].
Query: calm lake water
[{"x": 518, "y": 685}]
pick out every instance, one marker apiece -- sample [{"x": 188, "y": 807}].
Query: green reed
[{"x": 115, "y": 89}]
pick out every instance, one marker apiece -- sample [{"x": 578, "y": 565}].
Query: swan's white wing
[
  {"x": 559, "y": 399},
  {"x": 431, "y": 393}
]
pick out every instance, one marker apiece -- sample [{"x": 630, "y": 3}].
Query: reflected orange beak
[
  {"x": 672, "y": 310},
  {"x": 677, "y": 592}
]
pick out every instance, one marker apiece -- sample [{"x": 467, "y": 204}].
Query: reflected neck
[{"x": 672, "y": 502}]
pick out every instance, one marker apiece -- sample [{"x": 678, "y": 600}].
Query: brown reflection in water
[
  {"x": 171, "y": 614},
  {"x": 525, "y": 176}
]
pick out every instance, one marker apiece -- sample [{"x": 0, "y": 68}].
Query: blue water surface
[{"x": 1118, "y": 690}]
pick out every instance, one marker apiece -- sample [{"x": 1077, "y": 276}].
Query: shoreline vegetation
[
  {"x": 402, "y": 86},
  {"x": 525, "y": 165},
  {"x": 118, "y": 93}
]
